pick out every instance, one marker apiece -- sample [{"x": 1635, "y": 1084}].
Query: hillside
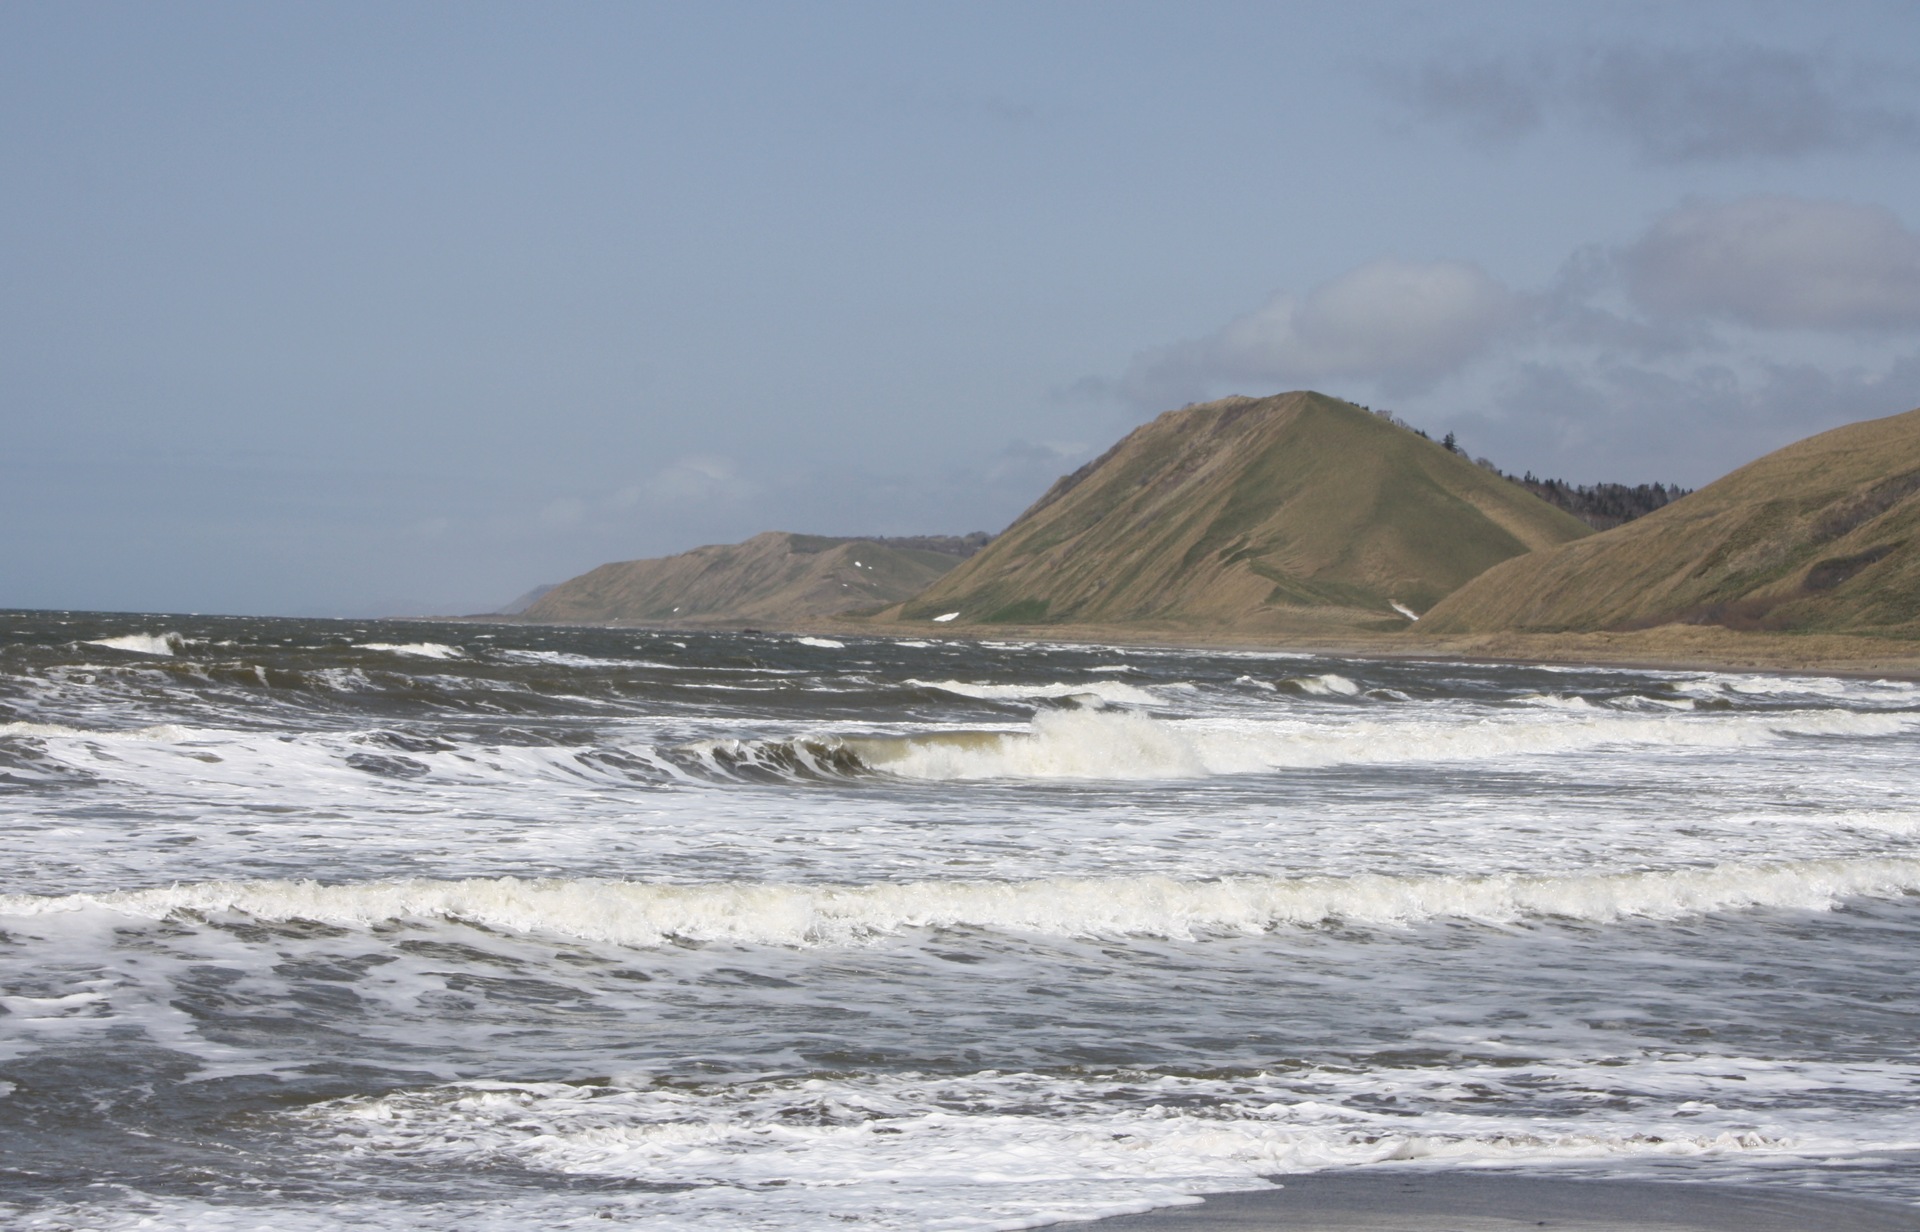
[
  {"x": 1820, "y": 537},
  {"x": 773, "y": 578},
  {"x": 1295, "y": 513}
]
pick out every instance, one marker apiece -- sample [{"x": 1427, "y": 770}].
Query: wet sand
[{"x": 1494, "y": 1202}]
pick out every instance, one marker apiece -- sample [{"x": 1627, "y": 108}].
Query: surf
[{"x": 647, "y": 914}]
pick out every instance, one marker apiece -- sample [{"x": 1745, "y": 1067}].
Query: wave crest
[{"x": 650, "y": 914}]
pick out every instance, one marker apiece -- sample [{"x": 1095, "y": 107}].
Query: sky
[{"x": 351, "y": 309}]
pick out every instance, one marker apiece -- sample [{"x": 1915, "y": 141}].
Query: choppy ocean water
[{"x": 316, "y": 924}]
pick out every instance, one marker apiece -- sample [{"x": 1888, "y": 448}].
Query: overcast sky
[{"x": 351, "y": 309}]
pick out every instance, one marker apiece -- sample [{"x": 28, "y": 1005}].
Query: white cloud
[
  {"x": 691, "y": 480},
  {"x": 563, "y": 512},
  {"x": 1779, "y": 263},
  {"x": 1399, "y": 325}
]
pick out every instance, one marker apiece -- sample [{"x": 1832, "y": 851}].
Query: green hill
[
  {"x": 1293, "y": 513},
  {"x": 1820, "y": 537},
  {"x": 773, "y": 579}
]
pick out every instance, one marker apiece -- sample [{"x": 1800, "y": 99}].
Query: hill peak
[{"x": 1282, "y": 513}]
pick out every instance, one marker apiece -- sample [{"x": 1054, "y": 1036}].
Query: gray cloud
[
  {"x": 1397, "y": 324},
  {"x": 1671, "y": 348},
  {"x": 1610, "y": 419},
  {"x": 1494, "y": 100},
  {"x": 1779, "y": 262},
  {"x": 1673, "y": 105}
]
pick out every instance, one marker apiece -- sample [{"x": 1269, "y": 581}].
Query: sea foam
[
  {"x": 418, "y": 650},
  {"x": 1087, "y": 744},
  {"x": 648, "y": 914},
  {"x": 157, "y": 644}
]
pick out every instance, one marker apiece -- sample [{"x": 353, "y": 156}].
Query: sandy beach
[{"x": 1483, "y": 1202}]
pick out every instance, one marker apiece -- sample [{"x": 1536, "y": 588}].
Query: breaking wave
[
  {"x": 1091, "y": 744},
  {"x": 158, "y": 644},
  {"x": 418, "y": 650},
  {"x": 650, "y": 914},
  {"x": 1106, "y": 690},
  {"x": 1328, "y": 684}
]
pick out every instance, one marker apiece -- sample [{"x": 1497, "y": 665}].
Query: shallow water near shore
[{"x": 321, "y": 924}]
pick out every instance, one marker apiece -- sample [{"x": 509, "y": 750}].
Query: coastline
[
  {"x": 1405, "y": 1201},
  {"x": 1663, "y": 648}
]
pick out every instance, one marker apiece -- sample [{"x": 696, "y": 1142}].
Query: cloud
[
  {"x": 1494, "y": 100},
  {"x": 1399, "y": 325},
  {"x": 1779, "y": 263},
  {"x": 1624, "y": 421},
  {"x": 1723, "y": 331},
  {"x": 1672, "y": 105},
  {"x": 691, "y": 480}
]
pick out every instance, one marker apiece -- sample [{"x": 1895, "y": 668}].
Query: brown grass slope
[
  {"x": 1292, "y": 513},
  {"x": 1820, "y": 537},
  {"x": 773, "y": 578}
]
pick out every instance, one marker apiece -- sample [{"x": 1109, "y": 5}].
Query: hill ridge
[
  {"x": 1279, "y": 513},
  {"x": 1822, "y": 535},
  {"x": 775, "y": 577}
]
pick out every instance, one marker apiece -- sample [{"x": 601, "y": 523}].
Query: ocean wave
[
  {"x": 1055, "y": 1145},
  {"x": 157, "y": 644},
  {"x": 1327, "y": 684},
  {"x": 158, "y": 733},
  {"x": 645, "y": 914},
  {"x": 561, "y": 658},
  {"x": 1087, "y": 744},
  {"x": 1107, "y": 690},
  {"x": 1834, "y": 688},
  {"x": 418, "y": 650}
]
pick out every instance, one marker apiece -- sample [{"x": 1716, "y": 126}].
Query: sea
[{"x": 317, "y": 924}]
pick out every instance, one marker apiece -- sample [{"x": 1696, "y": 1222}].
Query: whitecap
[
  {"x": 421, "y": 650},
  {"x": 644, "y": 914},
  {"x": 1108, "y": 690},
  {"x": 158, "y": 644}
]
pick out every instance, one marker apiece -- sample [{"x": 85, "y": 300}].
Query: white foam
[
  {"x": 1556, "y": 701},
  {"x": 967, "y": 1152},
  {"x": 159, "y": 733},
  {"x": 560, "y": 658},
  {"x": 1883, "y": 821},
  {"x": 419, "y": 650},
  {"x": 1107, "y": 690},
  {"x": 23, "y": 728},
  {"x": 649, "y": 914},
  {"x": 825, "y": 643},
  {"x": 1011, "y": 1150},
  {"x": 1837, "y": 688},
  {"x": 1132, "y": 745},
  {"x": 1327, "y": 684},
  {"x": 158, "y": 644}
]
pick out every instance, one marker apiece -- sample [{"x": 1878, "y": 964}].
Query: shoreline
[
  {"x": 1407, "y": 1201},
  {"x": 1706, "y": 648}
]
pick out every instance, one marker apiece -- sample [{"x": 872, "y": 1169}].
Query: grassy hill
[
  {"x": 773, "y": 578},
  {"x": 1295, "y": 513},
  {"x": 1820, "y": 537}
]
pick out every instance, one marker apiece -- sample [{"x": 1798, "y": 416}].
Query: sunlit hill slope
[
  {"x": 1820, "y": 537},
  {"x": 1293, "y": 513}
]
